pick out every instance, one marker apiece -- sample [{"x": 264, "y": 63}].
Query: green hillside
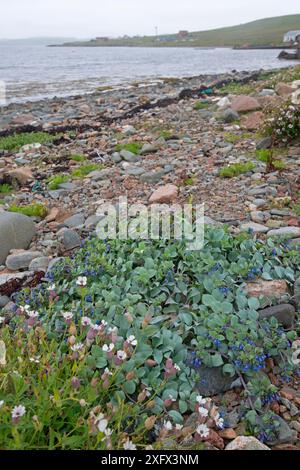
[{"x": 265, "y": 32}]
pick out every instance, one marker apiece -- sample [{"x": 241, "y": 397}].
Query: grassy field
[{"x": 265, "y": 32}]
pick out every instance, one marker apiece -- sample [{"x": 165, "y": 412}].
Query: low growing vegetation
[
  {"x": 108, "y": 354},
  {"x": 133, "y": 147},
  {"x": 236, "y": 169},
  {"x": 31, "y": 210},
  {"x": 55, "y": 181},
  {"x": 84, "y": 170},
  {"x": 16, "y": 141}
]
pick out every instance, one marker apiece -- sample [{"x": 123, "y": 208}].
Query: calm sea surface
[{"x": 34, "y": 72}]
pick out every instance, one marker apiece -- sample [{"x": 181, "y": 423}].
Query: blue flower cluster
[
  {"x": 270, "y": 398},
  {"x": 195, "y": 362},
  {"x": 253, "y": 273}
]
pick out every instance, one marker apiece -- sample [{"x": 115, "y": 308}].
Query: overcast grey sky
[{"x": 89, "y": 18}]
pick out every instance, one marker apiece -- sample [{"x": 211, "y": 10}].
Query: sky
[{"x": 90, "y": 18}]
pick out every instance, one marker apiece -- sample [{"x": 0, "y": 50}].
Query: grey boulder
[{"x": 16, "y": 232}]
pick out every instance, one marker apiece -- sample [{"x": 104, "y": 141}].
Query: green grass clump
[
  {"x": 31, "y": 210},
  {"x": 189, "y": 181},
  {"x": 236, "y": 169},
  {"x": 5, "y": 188},
  {"x": 55, "y": 181},
  {"x": 201, "y": 105},
  {"x": 269, "y": 156},
  {"x": 237, "y": 89},
  {"x": 84, "y": 170},
  {"x": 167, "y": 135},
  {"x": 133, "y": 147},
  {"x": 78, "y": 158},
  {"x": 16, "y": 141}
]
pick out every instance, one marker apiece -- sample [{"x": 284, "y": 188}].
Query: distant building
[
  {"x": 183, "y": 34},
  {"x": 292, "y": 36}
]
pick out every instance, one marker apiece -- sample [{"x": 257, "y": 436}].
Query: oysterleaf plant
[{"x": 107, "y": 354}]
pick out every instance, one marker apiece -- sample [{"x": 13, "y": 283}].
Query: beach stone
[
  {"x": 164, "y": 194},
  {"x": 259, "y": 202},
  {"x": 21, "y": 260},
  {"x": 265, "y": 143},
  {"x": 223, "y": 103},
  {"x": 254, "y": 227},
  {"x": 39, "y": 264},
  {"x": 254, "y": 121},
  {"x": 16, "y": 232},
  {"x": 246, "y": 443},
  {"x": 258, "y": 217},
  {"x": 75, "y": 221},
  {"x": 4, "y": 278},
  {"x": 3, "y": 301},
  {"x": 291, "y": 232},
  {"x": 283, "y": 89},
  {"x": 22, "y": 175},
  {"x": 129, "y": 130},
  {"x": 284, "y": 313},
  {"x": 129, "y": 156},
  {"x": 230, "y": 115},
  {"x": 152, "y": 176},
  {"x": 148, "y": 148},
  {"x": 271, "y": 289},
  {"x": 70, "y": 239},
  {"x": 244, "y": 103},
  {"x": 67, "y": 186},
  {"x": 267, "y": 92},
  {"x": 116, "y": 157},
  {"x": 99, "y": 175},
  {"x": 211, "y": 380},
  {"x": 92, "y": 221}
]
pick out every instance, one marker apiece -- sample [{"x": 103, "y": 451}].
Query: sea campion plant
[{"x": 283, "y": 122}]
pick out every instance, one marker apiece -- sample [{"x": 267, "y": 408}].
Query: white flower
[
  {"x": 107, "y": 371},
  {"x": 107, "y": 348},
  {"x": 51, "y": 287},
  {"x": 176, "y": 366},
  {"x": 202, "y": 430},
  {"x": 178, "y": 427},
  {"x": 112, "y": 329},
  {"x": 77, "y": 347},
  {"x": 104, "y": 323},
  {"x": 96, "y": 327},
  {"x": 2, "y": 320},
  {"x": 108, "y": 432},
  {"x": 81, "y": 281},
  {"x": 1, "y": 403},
  {"x": 201, "y": 400},
  {"x": 67, "y": 315},
  {"x": 102, "y": 423},
  {"x": 128, "y": 445},
  {"x": 131, "y": 340},
  {"x": 18, "y": 411},
  {"x": 219, "y": 421},
  {"x": 86, "y": 321},
  {"x": 121, "y": 355},
  {"x": 168, "y": 425},
  {"x": 32, "y": 314},
  {"x": 203, "y": 412},
  {"x": 36, "y": 359}
]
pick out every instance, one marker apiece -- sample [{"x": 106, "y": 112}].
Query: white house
[{"x": 292, "y": 36}]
